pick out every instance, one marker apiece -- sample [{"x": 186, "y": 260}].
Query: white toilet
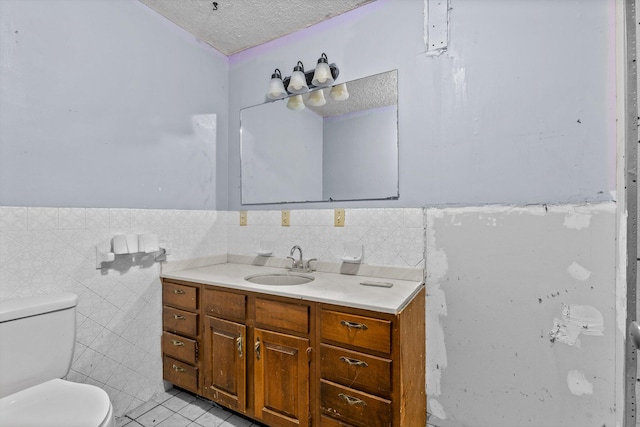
[{"x": 37, "y": 337}]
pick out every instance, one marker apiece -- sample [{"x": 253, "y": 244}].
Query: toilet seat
[{"x": 57, "y": 403}]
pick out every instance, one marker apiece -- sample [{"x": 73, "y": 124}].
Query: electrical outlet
[
  {"x": 243, "y": 218},
  {"x": 338, "y": 217},
  {"x": 286, "y": 218}
]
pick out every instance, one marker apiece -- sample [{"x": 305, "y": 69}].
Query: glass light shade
[
  {"x": 298, "y": 83},
  {"x": 322, "y": 76},
  {"x": 295, "y": 103},
  {"x": 339, "y": 92},
  {"x": 276, "y": 89},
  {"x": 316, "y": 98}
]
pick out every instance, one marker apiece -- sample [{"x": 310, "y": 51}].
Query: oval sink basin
[{"x": 279, "y": 279}]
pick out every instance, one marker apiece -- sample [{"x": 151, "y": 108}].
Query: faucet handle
[
  {"x": 309, "y": 263},
  {"x": 293, "y": 262}
]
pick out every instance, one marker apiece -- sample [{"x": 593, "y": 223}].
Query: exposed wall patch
[
  {"x": 437, "y": 269},
  {"x": 578, "y": 272},
  {"x": 576, "y": 320},
  {"x": 436, "y": 409},
  {"x": 578, "y": 384},
  {"x": 577, "y": 220}
]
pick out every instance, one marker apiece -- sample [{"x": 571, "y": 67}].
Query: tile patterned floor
[{"x": 177, "y": 408}]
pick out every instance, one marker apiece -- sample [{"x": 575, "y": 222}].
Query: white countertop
[{"x": 331, "y": 288}]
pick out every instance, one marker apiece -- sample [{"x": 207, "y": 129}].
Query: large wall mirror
[{"x": 343, "y": 150}]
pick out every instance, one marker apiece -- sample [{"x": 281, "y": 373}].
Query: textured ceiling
[
  {"x": 375, "y": 91},
  {"x": 240, "y": 24}
]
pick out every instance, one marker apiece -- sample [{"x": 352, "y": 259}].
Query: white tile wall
[
  {"x": 390, "y": 236},
  {"x": 49, "y": 250}
]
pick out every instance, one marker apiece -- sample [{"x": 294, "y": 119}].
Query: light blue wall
[
  {"x": 104, "y": 103},
  {"x": 520, "y": 110}
]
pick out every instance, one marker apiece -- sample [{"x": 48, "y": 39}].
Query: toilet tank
[{"x": 37, "y": 338}]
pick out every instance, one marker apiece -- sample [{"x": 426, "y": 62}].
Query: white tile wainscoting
[{"x": 48, "y": 250}]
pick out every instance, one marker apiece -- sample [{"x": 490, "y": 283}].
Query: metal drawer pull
[
  {"x": 177, "y": 343},
  {"x": 352, "y": 401},
  {"x": 354, "y": 325},
  {"x": 353, "y": 362},
  {"x": 239, "y": 345},
  {"x": 178, "y": 368},
  {"x": 256, "y": 347},
  {"x": 178, "y": 291},
  {"x": 178, "y": 317}
]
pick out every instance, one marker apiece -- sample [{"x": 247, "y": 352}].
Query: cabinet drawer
[
  {"x": 227, "y": 305},
  {"x": 365, "y": 332},
  {"x": 356, "y": 370},
  {"x": 181, "y": 296},
  {"x": 179, "y": 347},
  {"x": 179, "y": 321},
  {"x": 180, "y": 373},
  {"x": 285, "y": 315},
  {"x": 354, "y": 407}
]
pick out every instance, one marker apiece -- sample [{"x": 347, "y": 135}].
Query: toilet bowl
[
  {"x": 57, "y": 403},
  {"x": 37, "y": 336}
]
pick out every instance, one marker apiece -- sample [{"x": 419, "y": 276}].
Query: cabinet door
[
  {"x": 225, "y": 379},
  {"x": 281, "y": 378}
]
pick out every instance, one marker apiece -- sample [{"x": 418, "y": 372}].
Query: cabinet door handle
[
  {"x": 354, "y": 325},
  {"x": 256, "y": 347},
  {"x": 352, "y": 401},
  {"x": 178, "y": 291},
  {"x": 239, "y": 345},
  {"x": 178, "y": 368},
  {"x": 178, "y": 317},
  {"x": 353, "y": 362},
  {"x": 177, "y": 343}
]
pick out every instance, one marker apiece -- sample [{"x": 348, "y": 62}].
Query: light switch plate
[
  {"x": 243, "y": 218},
  {"x": 286, "y": 218},
  {"x": 338, "y": 217}
]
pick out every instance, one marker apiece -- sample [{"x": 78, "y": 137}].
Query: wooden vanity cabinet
[
  {"x": 287, "y": 362},
  {"x": 181, "y": 334},
  {"x": 372, "y": 366}
]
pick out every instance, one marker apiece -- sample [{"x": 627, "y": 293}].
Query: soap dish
[
  {"x": 352, "y": 253},
  {"x": 266, "y": 248}
]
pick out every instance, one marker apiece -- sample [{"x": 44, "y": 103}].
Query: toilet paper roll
[
  {"x": 132, "y": 243},
  {"x": 119, "y": 243}
]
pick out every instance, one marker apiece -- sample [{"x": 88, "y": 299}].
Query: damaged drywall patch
[
  {"x": 436, "y": 306},
  {"x": 578, "y": 272},
  {"x": 576, "y": 320},
  {"x": 578, "y": 383},
  {"x": 436, "y": 409},
  {"x": 577, "y": 220}
]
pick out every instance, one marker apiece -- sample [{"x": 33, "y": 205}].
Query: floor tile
[
  {"x": 155, "y": 416},
  {"x": 161, "y": 397},
  {"x": 145, "y": 407},
  {"x": 236, "y": 421},
  {"x": 195, "y": 409},
  {"x": 175, "y": 420},
  {"x": 213, "y": 417},
  {"x": 179, "y": 401}
]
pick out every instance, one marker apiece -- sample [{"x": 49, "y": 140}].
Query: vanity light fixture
[
  {"x": 295, "y": 103},
  {"x": 276, "y": 86},
  {"x": 316, "y": 98},
  {"x": 322, "y": 75},
  {"x": 339, "y": 92},
  {"x": 298, "y": 81}
]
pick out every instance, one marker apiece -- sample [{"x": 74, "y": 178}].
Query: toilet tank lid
[{"x": 15, "y": 309}]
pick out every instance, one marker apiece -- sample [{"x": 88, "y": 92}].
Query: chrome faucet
[{"x": 299, "y": 264}]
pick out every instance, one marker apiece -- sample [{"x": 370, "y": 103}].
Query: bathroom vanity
[{"x": 331, "y": 352}]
